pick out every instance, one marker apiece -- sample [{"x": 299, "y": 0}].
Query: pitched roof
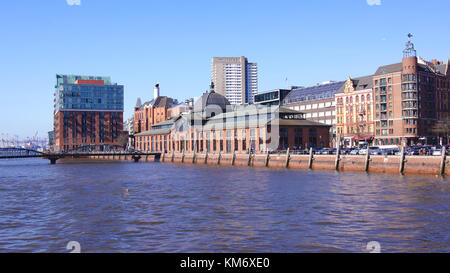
[
  {"x": 441, "y": 68},
  {"x": 316, "y": 92},
  {"x": 163, "y": 131},
  {"x": 387, "y": 69},
  {"x": 163, "y": 101},
  {"x": 360, "y": 83},
  {"x": 301, "y": 122}
]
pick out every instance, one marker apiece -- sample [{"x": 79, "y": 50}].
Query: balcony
[{"x": 409, "y": 99}]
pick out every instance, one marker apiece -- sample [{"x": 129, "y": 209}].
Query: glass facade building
[{"x": 96, "y": 93}]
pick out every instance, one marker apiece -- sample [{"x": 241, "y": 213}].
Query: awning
[{"x": 363, "y": 138}]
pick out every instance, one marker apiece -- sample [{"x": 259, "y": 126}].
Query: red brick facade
[{"x": 78, "y": 128}]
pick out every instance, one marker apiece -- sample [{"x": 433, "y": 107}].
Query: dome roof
[{"x": 211, "y": 98}]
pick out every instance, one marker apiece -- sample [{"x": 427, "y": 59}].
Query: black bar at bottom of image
[{"x": 228, "y": 262}]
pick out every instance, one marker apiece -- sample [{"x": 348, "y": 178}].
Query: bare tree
[{"x": 123, "y": 139}]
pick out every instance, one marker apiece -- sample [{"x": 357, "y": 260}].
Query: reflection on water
[{"x": 154, "y": 207}]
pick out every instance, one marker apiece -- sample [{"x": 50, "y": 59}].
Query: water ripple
[{"x": 151, "y": 207}]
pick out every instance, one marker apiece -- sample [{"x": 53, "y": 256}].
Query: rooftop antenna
[{"x": 287, "y": 85}]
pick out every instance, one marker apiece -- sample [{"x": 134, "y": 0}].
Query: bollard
[
  {"x": 266, "y": 163},
  {"x": 401, "y": 168},
  {"x": 443, "y": 159},
  {"x": 193, "y": 158},
  {"x": 163, "y": 155},
  {"x": 338, "y": 157},
  {"x": 206, "y": 157},
  {"x": 287, "y": 158},
  {"x": 233, "y": 158},
  {"x": 182, "y": 157},
  {"x": 218, "y": 158},
  {"x": 366, "y": 164},
  {"x": 249, "y": 158},
  {"x": 311, "y": 158},
  {"x": 173, "y": 155}
]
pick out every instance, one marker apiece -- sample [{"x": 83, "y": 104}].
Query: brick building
[
  {"x": 88, "y": 110},
  {"x": 354, "y": 111},
  {"x": 216, "y": 126},
  {"x": 151, "y": 112},
  {"x": 411, "y": 101},
  {"x": 317, "y": 102}
]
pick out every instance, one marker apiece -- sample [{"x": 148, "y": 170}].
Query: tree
[{"x": 123, "y": 139}]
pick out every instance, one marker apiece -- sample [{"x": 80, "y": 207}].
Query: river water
[{"x": 162, "y": 207}]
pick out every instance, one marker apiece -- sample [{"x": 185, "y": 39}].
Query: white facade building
[{"x": 235, "y": 78}]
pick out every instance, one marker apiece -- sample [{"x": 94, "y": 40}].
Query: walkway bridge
[{"x": 82, "y": 151}]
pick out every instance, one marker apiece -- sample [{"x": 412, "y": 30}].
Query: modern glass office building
[{"x": 87, "y": 93}]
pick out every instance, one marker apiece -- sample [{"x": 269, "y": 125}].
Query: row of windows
[
  {"x": 355, "y": 129},
  {"x": 312, "y": 106},
  {"x": 383, "y": 81},
  {"x": 357, "y": 99}
]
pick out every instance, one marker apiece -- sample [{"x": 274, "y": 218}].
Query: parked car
[
  {"x": 355, "y": 151},
  {"x": 325, "y": 151},
  {"x": 437, "y": 150},
  {"x": 373, "y": 150},
  {"x": 376, "y": 152},
  {"x": 390, "y": 151},
  {"x": 412, "y": 151}
]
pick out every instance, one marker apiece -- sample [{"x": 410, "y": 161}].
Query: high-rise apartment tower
[{"x": 235, "y": 78}]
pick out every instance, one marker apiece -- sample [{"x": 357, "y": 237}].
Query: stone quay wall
[{"x": 432, "y": 165}]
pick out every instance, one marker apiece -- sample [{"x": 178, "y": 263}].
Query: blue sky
[{"x": 138, "y": 43}]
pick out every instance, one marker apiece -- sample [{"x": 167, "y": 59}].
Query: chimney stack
[
  {"x": 436, "y": 62},
  {"x": 156, "y": 91}
]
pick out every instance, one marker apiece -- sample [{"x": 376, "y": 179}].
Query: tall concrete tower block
[{"x": 235, "y": 78}]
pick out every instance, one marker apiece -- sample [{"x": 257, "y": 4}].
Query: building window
[
  {"x": 284, "y": 144},
  {"x": 244, "y": 141},
  {"x": 261, "y": 139},
  {"x": 298, "y": 140},
  {"x": 313, "y": 137}
]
